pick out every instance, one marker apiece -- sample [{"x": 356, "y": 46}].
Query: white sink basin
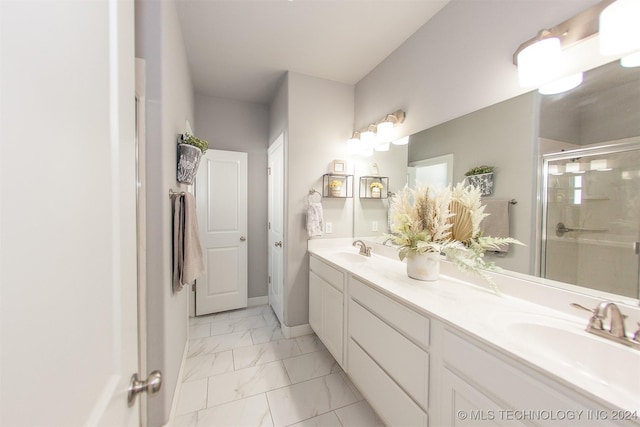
[
  {"x": 567, "y": 344},
  {"x": 352, "y": 257}
]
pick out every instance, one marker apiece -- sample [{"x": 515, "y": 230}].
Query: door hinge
[
  {"x": 269, "y": 279},
  {"x": 193, "y": 287},
  {"x": 269, "y": 226},
  {"x": 268, "y": 171}
]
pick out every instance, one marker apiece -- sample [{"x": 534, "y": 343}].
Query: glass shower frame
[{"x": 592, "y": 153}]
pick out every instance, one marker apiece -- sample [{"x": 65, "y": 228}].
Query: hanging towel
[
  {"x": 497, "y": 223},
  {"x": 315, "y": 220},
  {"x": 188, "y": 262}
]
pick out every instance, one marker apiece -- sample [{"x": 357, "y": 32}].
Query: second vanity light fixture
[
  {"x": 540, "y": 59},
  {"x": 376, "y": 136}
]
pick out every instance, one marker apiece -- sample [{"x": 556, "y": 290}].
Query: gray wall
[
  {"x": 458, "y": 62},
  {"x": 169, "y": 104},
  {"x": 503, "y": 136},
  {"x": 241, "y": 126},
  {"x": 319, "y": 121}
]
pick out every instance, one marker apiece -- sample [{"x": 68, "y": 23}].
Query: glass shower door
[{"x": 591, "y": 218}]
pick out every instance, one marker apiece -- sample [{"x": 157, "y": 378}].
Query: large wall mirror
[{"x": 570, "y": 161}]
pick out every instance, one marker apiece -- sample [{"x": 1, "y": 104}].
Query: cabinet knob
[
  {"x": 278, "y": 244},
  {"x": 243, "y": 238}
]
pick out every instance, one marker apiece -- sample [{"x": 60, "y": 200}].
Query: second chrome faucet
[
  {"x": 364, "y": 249},
  {"x": 616, "y": 331}
]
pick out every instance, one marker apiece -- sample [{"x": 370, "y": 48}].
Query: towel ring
[{"x": 313, "y": 192}]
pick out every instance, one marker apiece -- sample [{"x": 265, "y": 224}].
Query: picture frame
[{"x": 339, "y": 167}]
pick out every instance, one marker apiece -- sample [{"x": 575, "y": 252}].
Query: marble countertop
[{"x": 478, "y": 311}]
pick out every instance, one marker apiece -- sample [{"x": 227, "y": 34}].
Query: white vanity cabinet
[
  {"x": 479, "y": 385},
  {"x": 326, "y": 306},
  {"x": 388, "y": 357}
]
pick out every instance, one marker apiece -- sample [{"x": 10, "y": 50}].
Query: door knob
[
  {"x": 278, "y": 244},
  {"x": 242, "y": 238},
  {"x": 151, "y": 385}
]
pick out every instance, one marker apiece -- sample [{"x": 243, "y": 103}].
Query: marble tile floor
[{"x": 241, "y": 371}]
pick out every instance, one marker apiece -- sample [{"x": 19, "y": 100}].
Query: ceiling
[{"x": 240, "y": 49}]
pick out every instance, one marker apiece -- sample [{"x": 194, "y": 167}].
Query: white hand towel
[{"x": 315, "y": 220}]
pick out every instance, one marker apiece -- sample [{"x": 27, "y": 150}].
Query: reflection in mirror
[
  {"x": 591, "y": 218},
  {"x": 514, "y": 135},
  {"x": 437, "y": 171}
]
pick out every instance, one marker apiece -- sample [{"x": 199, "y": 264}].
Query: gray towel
[
  {"x": 188, "y": 262},
  {"x": 497, "y": 223}
]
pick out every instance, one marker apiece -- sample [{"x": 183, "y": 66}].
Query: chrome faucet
[
  {"x": 387, "y": 240},
  {"x": 616, "y": 331},
  {"x": 364, "y": 249},
  {"x": 616, "y": 326}
]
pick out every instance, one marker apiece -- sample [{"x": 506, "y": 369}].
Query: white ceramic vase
[
  {"x": 424, "y": 266},
  {"x": 375, "y": 193}
]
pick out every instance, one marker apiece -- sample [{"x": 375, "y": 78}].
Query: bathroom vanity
[{"x": 452, "y": 352}]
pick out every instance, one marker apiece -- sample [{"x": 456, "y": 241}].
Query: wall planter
[
  {"x": 190, "y": 150},
  {"x": 483, "y": 181},
  {"x": 481, "y": 177}
]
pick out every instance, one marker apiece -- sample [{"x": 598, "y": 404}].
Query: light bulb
[{"x": 540, "y": 62}]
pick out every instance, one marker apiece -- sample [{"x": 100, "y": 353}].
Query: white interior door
[
  {"x": 221, "y": 199},
  {"x": 276, "y": 226},
  {"x": 68, "y": 229}
]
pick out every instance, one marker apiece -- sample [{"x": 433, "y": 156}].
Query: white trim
[
  {"x": 296, "y": 331},
  {"x": 176, "y": 392},
  {"x": 251, "y": 302}
]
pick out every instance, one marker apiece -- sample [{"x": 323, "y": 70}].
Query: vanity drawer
[
  {"x": 402, "y": 360},
  {"x": 332, "y": 275},
  {"x": 408, "y": 322},
  {"x": 389, "y": 401}
]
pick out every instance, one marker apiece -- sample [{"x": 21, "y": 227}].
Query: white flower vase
[
  {"x": 336, "y": 191},
  {"x": 375, "y": 193},
  {"x": 424, "y": 266}
]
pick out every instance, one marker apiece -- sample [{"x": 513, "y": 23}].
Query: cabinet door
[
  {"x": 315, "y": 303},
  {"x": 332, "y": 320},
  {"x": 464, "y": 405}
]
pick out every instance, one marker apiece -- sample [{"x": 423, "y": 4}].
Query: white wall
[
  {"x": 319, "y": 120},
  {"x": 169, "y": 104},
  {"x": 242, "y": 126},
  {"x": 459, "y": 62}
]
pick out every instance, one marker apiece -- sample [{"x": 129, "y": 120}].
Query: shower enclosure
[{"x": 591, "y": 218}]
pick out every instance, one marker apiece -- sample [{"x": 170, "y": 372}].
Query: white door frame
[
  {"x": 141, "y": 228},
  {"x": 278, "y": 306}
]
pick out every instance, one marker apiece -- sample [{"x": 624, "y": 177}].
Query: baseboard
[
  {"x": 176, "y": 392},
  {"x": 296, "y": 331},
  {"x": 257, "y": 301}
]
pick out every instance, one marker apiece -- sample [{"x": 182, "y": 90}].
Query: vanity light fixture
[
  {"x": 556, "y": 170},
  {"x": 376, "y": 136},
  {"x": 575, "y": 167},
  {"x": 353, "y": 144},
  {"x": 601, "y": 165},
  {"x": 562, "y": 84},
  {"x": 631, "y": 61},
  {"x": 539, "y": 59},
  {"x": 540, "y": 62},
  {"x": 402, "y": 141}
]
